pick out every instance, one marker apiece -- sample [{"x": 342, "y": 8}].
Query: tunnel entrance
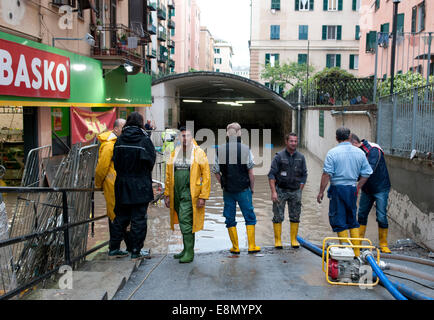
[{"x": 213, "y": 100}]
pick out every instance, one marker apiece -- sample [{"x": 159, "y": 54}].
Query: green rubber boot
[
  {"x": 188, "y": 256},
  {"x": 179, "y": 255}
]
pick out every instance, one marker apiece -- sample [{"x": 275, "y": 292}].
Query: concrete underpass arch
[{"x": 270, "y": 111}]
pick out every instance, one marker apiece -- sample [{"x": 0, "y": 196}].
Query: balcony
[
  {"x": 162, "y": 33},
  {"x": 152, "y": 29},
  {"x": 162, "y": 57},
  {"x": 171, "y": 63},
  {"x": 116, "y": 52},
  {"x": 171, "y": 43},
  {"x": 152, "y": 5},
  {"x": 151, "y": 53},
  {"x": 171, "y": 4},
  {"x": 161, "y": 13},
  {"x": 171, "y": 24}
]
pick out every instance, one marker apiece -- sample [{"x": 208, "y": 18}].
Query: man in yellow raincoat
[
  {"x": 188, "y": 185},
  {"x": 105, "y": 176}
]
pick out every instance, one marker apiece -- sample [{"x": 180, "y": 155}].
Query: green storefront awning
[{"x": 88, "y": 87}]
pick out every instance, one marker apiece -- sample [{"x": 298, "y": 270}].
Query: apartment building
[
  {"x": 323, "y": 32},
  {"x": 223, "y": 56},
  {"x": 206, "y": 50},
  {"x": 412, "y": 49}
]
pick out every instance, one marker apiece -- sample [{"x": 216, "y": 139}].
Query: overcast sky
[{"x": 229, "y": 20}]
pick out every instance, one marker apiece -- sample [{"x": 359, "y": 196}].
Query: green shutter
[
  {"x": 302, "y": 58},
  {"x": 321, "y": 123},
  {"x": 422, "y": 25},
  {"x": 328, "y": 62},
  {"x": 275, "y": 4},
  {"x": 385, "y": 28},
  {"x": 377, "y": 4},
  {"x": 267, "y": 58},
  {"x": 351, "y": 61},
  {"x": 276, "y": 58},
  {"x": 311, "y": 5},
  {"x": 338, "y": 60},
  {"x": 324, "y": 32},
  {"x": 340, "y": 5},
  {"x": 357, "y": 36},
  {"x": 297, "y": 5},
  {"x": 400, "y": 23},
  {"x": 325, "y": 5},
  {"x": 339, "y": 33},
  {"x": 354, "y": 5}
]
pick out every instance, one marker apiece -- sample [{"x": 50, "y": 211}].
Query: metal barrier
[{"x": 406, "y": 121}]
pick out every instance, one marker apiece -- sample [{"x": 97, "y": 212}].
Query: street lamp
[
  {"x": 88, "y": 38},
  {"x": 394, "y": 30}
]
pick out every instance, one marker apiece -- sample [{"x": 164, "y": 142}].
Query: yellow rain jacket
[
  {"x": 200, "y": 185},
  {"x": 105, "y": 174}
]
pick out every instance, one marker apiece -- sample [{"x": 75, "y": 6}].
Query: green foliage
[
  {"x": 285, "y": 74},
  {"x": 403, "y": 82}
]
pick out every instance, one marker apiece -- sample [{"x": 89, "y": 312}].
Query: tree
[
  {"x": 403, "y": 82},
  {"x": 286, "y": 74}
]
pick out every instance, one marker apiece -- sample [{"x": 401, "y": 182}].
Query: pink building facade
[{"x": 414, "y": 23}]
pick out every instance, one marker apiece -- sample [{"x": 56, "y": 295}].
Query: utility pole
[{"x": 394, "y": 31}]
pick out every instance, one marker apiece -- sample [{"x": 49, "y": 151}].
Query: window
[
  {"x": 172, "y": 32},
  {"x": 333, "y": 60},
  {"x": 357, "y": 36},
  {"x": 172, "y": 50},
  {"x": 356, "y": 5},
  {"x": 302, "y": 58},
  {"x": 333, "y": 5},
  {"x": 418, "y": 18},
  {"x": 275, "y": 4},
  {"x": 217, "y": 60},
  {"x": 217, "y": 70},
  {"x": 384, "y": 28},
  {"x": 354, "y": 61},
  {"x": 304, "y": 5},
  {"x": 272, "y": 59},
  {"x": 303, "y": 32},
  {"x": 274, "y": 32},
  {"x": 400, "y": 23},
  {"x": 217, "y": 50},
  {"x": 332, "y": 32},
  {"x": 377, "y": 4},
  {"x": 371, "y": 38}
]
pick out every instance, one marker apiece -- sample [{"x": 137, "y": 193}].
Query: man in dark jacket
[
  {"x": 376, "y": 189},
  {"x": 134, "y": 158},
  {"x": 234, "y": 171},
  {"x": 287, "y": 177}
]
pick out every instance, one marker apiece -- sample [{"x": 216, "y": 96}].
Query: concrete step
[{"x": 75, "y": 294}]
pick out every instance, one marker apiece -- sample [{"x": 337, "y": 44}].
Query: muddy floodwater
[{"x": 314, "y": 225}]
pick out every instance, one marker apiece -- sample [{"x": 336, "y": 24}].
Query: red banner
[
  {"x": 30, "y": 72},
  {"x": 86, "y": 125}
]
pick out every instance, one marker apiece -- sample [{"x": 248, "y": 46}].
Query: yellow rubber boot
[
  {"x": 382, "y": 236},
  {"x": 354, "y": 233},
  {"x": 234, "y": 239},
  {"x": 294, "y": 232},
  {"x": 343, "y": 234},
  {"x": 278, "y": 235},
  {"x": 251, "y": 239},
  {"x": 362, "y": 231}
]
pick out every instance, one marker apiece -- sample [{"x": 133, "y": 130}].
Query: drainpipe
[{"x": 299, "y": 114}]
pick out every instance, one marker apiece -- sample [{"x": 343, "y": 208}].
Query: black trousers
[
  {"x": 126, "y": 237},
  {"x": 137, "y": 216}
]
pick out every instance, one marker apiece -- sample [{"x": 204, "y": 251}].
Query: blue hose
[
  {"x": 410, "y": 293},
  {"x": 310, "y": 246}
]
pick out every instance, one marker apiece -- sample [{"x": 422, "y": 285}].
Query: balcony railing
[
  {"x": 152, "y": 29},
  {"x": 162, "y": 57},
  {"x": 171, "y": 63},
  {"x": 152, "y": 5},
  {"x": 162, "y": 33},
  {"x": 171, "y": 4},
  {"x": 171, "y": 43},
  {"x": 171, "y": 24},
  {"x": 161, "y": 13},
  {"x": 151, "y": 52}
]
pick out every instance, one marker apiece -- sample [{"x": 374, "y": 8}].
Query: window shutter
[
  {"x": 422, "y": 22},
  {"x": 297, "y": 5},
  {"x": 340, "y": 5},
  {"x": 351, "y": 61},
  {"x": 324, "y": 32},
  {"x": 325, "y": 5},
  {"x": 328, "y": 62},
  {"x": 276, "y": 59},
  {"x": 339, "y": 33},
  {"x": 400, "y": 23},
  {"x": 311, "y": 5},
  {"x": 338, "y": 60},
  {"x": 413, "y": 19},
  {"x": 267, "y": 58},
  {"x": 385, "y": 28},
  {"x": 357, "y": 37},
  {"x": 354, "y": 5}
]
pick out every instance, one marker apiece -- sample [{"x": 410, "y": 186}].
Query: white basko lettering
[
  {"x": 61, "y": 69},
  {"x": 22, "y": 74},
  {"x": 6, "y": 67},
  {"x": 36, "y": 62}
]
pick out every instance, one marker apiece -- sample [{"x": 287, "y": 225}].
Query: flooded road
[{"x": 314, "y": 225}]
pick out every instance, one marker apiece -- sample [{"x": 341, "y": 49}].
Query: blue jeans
[
  {"x": 343, "y": 207},
  {"x": 365, "y": 205},
  {"x": 244, "y": 199}
]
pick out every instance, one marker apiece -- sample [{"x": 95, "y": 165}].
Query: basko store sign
[{"x": 29, "y": 72}]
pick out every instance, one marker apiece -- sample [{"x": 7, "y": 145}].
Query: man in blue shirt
[
  {"x": 376, "y": 189},
  {"x": 343, "y": 166}
]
